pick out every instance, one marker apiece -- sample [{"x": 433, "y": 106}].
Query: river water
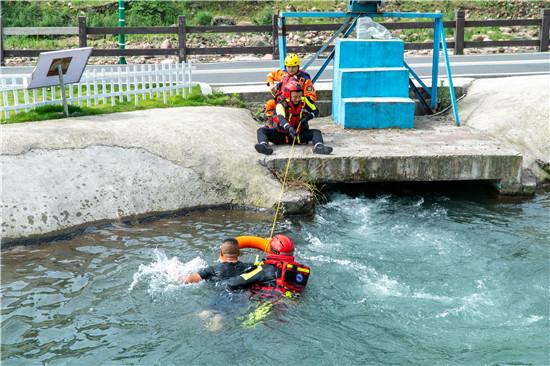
[{"x": 422, "y": 278}]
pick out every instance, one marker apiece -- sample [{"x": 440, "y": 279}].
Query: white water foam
[
  {"x": 533, "y": 319},
  {"x": 163, "y": 273},
  {"x": 470, "y": 305},
  {"x": 313, "y": 240}
]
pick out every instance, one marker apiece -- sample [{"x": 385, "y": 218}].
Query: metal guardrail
[{"x": 182, "y": 29}]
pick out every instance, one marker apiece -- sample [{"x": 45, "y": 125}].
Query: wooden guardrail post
[
  {"x": 275, "y": 35},
  {"x": 1, "y": 44},
  {"x": 459, "y": 32},
  {"x": 82, "y": 42},
  {"x": 182, "y": 39},
  {"x": 544, "y": 30}
]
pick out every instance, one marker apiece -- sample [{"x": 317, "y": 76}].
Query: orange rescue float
[{"x": 255, "y": 242}]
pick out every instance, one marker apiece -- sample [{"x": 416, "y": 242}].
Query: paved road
[
  {"x": 478, "y": 66},
  {"x": 251, "y": 72}
]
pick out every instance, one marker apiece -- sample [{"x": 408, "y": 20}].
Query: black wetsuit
[
  {"x": 222, "y": 271},
  {"x": 264, "y": 275}
]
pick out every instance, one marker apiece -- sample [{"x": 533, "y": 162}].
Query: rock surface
[
  {"x": 515, "y": 110},
  {"x": 59, "y": 175}
]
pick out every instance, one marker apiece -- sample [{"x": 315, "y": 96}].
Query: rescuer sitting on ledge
[{"x": 293, "y": 113}]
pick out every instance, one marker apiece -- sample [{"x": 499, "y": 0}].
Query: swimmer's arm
[
  {"x": 190, "y": 278},
  {"x": 253, "y": 275}
]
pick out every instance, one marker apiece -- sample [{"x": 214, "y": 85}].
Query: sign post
[
  {"x": 60, "y": 68},
  {"x": 63, "y": 97}
]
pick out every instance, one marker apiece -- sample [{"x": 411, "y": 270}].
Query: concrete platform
[{"x": 434, "y": 151}]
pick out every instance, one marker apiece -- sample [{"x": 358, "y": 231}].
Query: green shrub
[
  {"x": 264, "y": 16},
  {"x": 203, "y": 18},
  {"x": 35, "y": 14},
  {"x": 153, "y": 12}
]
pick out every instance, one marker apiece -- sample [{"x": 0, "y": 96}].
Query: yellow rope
[{"x": 284, "y": 182}]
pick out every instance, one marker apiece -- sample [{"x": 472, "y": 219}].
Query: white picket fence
[{"x": 101, "y": 86}]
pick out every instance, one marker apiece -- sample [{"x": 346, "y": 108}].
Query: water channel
[{"x": 417, "y": 278}]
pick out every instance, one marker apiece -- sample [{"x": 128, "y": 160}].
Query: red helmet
[
  {"x": 290, "y": 86},
  {"x": 282, "y": 245}
]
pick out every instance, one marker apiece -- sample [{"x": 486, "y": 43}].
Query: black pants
[{"x": 279, "y": 137}]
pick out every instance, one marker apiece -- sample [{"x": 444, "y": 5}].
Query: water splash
[{"x": 163, "y": 273}]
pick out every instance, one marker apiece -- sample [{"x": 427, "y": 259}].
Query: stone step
[
  {"x": 376, "y": 112},
  {"x": 370, "y": 82},
  {"x": 374, "y": 82},
  {"x": 359, "y": 53}
]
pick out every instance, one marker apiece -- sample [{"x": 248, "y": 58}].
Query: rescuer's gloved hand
[
  {"x": 290, "y": 129},
  {"x": 281, "y": 121},
  {"x": 306, "y": 116}
]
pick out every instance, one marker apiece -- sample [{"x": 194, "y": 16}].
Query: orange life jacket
[{"x": 281, "y": 77}]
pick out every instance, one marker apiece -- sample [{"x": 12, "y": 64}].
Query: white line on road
[
  {"x": 427, "y": 77},
  {"x": 426, "y": 64}
]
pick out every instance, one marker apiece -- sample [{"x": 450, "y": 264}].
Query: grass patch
[{"x": 193, "y": 99}]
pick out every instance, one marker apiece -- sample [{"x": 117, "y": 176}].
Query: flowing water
[{"x": 416, "y": 279}]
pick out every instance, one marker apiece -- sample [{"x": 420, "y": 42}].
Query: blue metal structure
[{"x": 353, "y": 16}]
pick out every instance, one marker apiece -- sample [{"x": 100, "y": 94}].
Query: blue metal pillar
[
  {"x": 282, "y": 41},
  {"x": 435, "y": 61},
  {"x": 449, "y": 75}
]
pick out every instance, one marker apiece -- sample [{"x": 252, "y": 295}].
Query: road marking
[
  {"x": 413, "y": 65},
  {"x": 426, "y": 77}
]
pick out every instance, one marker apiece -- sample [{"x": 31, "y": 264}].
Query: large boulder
[
  {"x": 60, "y": 175},
  {"x": 514, "y": 110}
]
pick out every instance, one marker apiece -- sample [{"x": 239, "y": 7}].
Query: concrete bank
[{"x": 59, "y": 175}]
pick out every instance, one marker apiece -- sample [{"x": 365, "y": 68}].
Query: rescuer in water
[
  {"x": 277, "y": 275},
  {"x": 228, "y": 266},
  {"x": 224, "y": 302}
]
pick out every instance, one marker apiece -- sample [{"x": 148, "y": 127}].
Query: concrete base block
[{"x": 376, "y": 113}]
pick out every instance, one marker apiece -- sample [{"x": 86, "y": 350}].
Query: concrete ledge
[
  {"x": 362, "y": 169},
  {"x": 257, "y": 95},
  {"x": 434, "y": 151}
]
